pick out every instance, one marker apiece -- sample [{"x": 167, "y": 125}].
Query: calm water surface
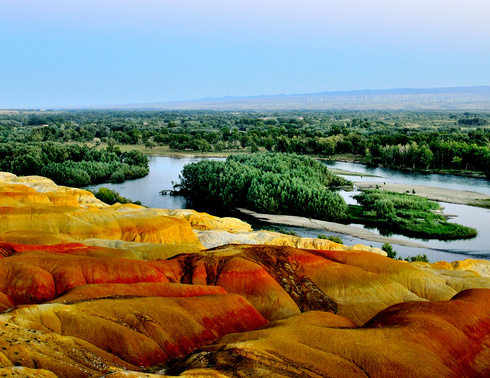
[
  {"x": 475, "y": 217},
  {"x": 415, "y": 178},
  {"x": 164, "y": 170}
]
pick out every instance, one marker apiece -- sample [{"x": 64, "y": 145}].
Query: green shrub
[
  {"x": 288, "y": 232},
  {"x": 384, "y": 208},
  {"x": 423, "y": 258},
  {"x": 117, "y": 175},
  {"x": 335, "y": 239},
  {"x": 111, "y": 197},
  {"x": 107, "y": 195},
  {"x": 388, "y": 248}
]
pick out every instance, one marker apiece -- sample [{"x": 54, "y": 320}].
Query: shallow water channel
[{"x": 164, "y": 170}]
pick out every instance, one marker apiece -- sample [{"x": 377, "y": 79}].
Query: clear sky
[{"x": 57, "y": 53}]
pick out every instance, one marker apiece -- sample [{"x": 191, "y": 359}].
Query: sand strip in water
[
  {"x": 295, "y": 221},
  {"x": 463, "y": 197}
]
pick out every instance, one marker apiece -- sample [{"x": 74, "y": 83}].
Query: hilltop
[{"x": 450, "y": 98}]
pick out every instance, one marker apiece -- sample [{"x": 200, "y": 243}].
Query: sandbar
[
  {"x": 295, "y": 221},
  {"x": 462, "y": 197}
]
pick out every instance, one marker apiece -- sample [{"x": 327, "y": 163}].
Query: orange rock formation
[
  {"x": 417, "y": 339},
  {"x": 140, "y": 331},
  {"x": 24, "y": 209}
]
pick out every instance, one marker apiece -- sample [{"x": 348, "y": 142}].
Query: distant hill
[{"x": 454, "y": 98}]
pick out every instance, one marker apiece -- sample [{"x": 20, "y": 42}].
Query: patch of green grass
[
  {"x": 405, "y": 214},
  {"x": 391, "y": 253},
  {"x": 287, "y": 232},
  {"x": 335, "y": 239}
]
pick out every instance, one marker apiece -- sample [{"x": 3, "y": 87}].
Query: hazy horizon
[{"x": 91, "y": 53}]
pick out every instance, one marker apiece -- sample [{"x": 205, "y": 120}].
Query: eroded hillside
[{"x": 88, "y": 289}]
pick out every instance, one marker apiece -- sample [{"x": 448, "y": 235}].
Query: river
[
  {"x": 164, "y": 170},
  {"x": 380, "y": 175}
]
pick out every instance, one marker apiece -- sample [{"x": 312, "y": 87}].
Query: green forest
[
  {"x": 72, "y": 164},
  {"x": 454, "y": 141},
  {"x": 272, "y": 183},
  {"x": 79, "y": 148}
]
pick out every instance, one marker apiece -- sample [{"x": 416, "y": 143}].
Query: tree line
[
  {"x": 72, "y": 164},
  {"x": 422, "y": 140}
]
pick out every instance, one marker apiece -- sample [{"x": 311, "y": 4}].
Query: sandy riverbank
[
  {"x": 462, "y": 197},
  {"x": 290, "y": 220}
]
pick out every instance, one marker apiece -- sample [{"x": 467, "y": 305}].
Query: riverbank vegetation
[
  {"x": 454, "y": 141},
  {"x": 335, "y": 239},
  {"x": 72, "y": 164},
  {"x": 269, "y": 183},
  {"x": 298, "y": 185},
  {"x": 405, "y": 214}
]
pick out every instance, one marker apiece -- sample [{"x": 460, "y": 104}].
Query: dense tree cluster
[
  {"x": 272, "y": 183},
  {"x": 72, "y": 164}
]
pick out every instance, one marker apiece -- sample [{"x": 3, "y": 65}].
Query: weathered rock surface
[
  {"x": 39, "y": 184},
  {"x": 136, "y": 225},
  {"x": 482, "y": 267},
  {"x": 203, "y": 221},
  {"x": 31, "y": 345},
  {"x": 141, "y": 289},
  {"x": 24, "y": 209},
  {"x": 215, "y": 238},
  {"x": 417, "y": 339},
  {"x": 37, "y": 277},
  {"x": 141, "y": 251},
  {"x": 132, "y": 332},
  {"x": 5, "y": 302},
  {"x": 355, "y": 284},
  {"x": 52, "y": 242},
  {"x": 20, "y": 371}
]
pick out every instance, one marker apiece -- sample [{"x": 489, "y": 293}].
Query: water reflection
[
  {"x": 163, "y": 171},
  {"x": 479, "y": 185}
]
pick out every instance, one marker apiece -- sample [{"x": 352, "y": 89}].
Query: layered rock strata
[{"x": 416, "y": 339}]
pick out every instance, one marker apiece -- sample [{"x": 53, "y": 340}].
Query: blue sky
[{"x": 58, "y": 53}]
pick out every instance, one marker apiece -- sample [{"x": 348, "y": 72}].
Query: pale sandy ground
[
  {"x": 462, "y": 197},
  {"x": 290, "y": 220}
]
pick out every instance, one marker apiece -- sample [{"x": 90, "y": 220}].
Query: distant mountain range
[{"x": 452, "y": 98}]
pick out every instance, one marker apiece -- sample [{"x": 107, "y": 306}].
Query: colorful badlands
[{"x": 91, "y": 290}]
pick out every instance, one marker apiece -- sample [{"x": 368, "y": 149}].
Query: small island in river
[{"x": 291, "y": 184}]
